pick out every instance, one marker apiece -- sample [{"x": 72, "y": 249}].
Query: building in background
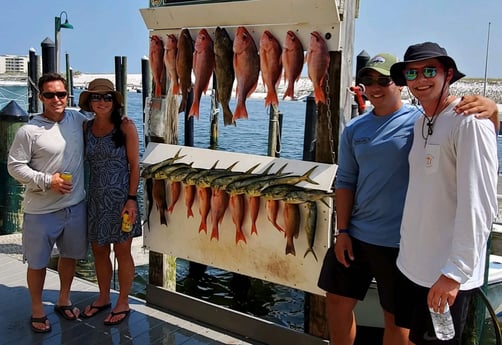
[{"x": 13, "y": 64}]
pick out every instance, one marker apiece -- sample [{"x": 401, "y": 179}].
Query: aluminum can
[
  {"x": 67, "y": 176},
  {"x": 126, "y": 223}
]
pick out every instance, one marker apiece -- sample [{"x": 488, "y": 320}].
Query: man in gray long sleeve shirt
[{"x": 54, "y": 209}]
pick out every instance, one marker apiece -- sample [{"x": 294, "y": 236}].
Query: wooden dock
[{"x": 145, "y": 325}]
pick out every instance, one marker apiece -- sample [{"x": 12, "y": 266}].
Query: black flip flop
[
  {"x": 113, "y": 323},
  {"x": 98, "y": 308},
  {"x": 62, "y": 309},
  {"x": 42, "y": 319}
]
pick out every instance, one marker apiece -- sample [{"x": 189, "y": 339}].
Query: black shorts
[
  {"x": 370, "y": 261},
  {"x": 412, "y": 312}
]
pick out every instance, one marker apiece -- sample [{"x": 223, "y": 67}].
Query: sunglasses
[
  {"x": 428, "y": 72},
  {"x": 96, "y": 97},
  {"x": 51, "y": 95},
  {"x": 381, "y": 81}
]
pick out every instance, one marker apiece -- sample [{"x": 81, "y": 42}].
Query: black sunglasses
[
  {"x": 381, "y": 81},
  {"x": 51, "y": 95},
  {"x": 96, "y": 97}
]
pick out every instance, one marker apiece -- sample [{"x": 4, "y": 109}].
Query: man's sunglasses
[
  {"x": 96, "y": 97},
  {"x": 428, "y": 72},
  {"x": 381, "y": 81},
  {"x": 51, "y": 95}
]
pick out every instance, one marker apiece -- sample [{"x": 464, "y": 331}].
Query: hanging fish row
[
  {"x": 240, "y": 60},
  {"x": 220, "y": 188}
]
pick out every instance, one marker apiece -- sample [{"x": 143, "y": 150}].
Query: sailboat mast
[{"x": 486, "y": 61}]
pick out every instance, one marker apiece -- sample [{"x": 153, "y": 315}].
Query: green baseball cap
[{"x": 381, "y": 63}]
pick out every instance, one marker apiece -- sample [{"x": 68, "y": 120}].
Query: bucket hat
[
  {"x": 381, "y": 63},
  {"x": 100, "y": 86},
  {"x": 424, "y": 51}
]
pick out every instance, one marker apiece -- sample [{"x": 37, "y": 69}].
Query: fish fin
[
  {"x": 189, "y": 213},
  {"x": 319, "y": 95},
  {"x": 271, "y": 98},
  {"x": 175, "y": 90},
  {"x": 215, "y": 233},
  {"x": 158, "y": 90},
  {"x": 254, "y": 230},
  {"x": 290, "y": 248},
  {"x": 163, "y": 219},
  {"x": 239, "y": 236},
  {"x": 310, "y": 250},
  {"x": 289, "y": 92},
  {"x": 227, "y": 115},
  {"x": 194, "y": 110},
  {"x": 240, "y": 112},
  {"x": 203, "y": 226}
]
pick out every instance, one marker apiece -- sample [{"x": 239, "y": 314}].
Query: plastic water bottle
[{"x": 443, "y": 324}]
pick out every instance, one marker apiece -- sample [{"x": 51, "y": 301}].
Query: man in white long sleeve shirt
[{"x": 451, "y": 200}]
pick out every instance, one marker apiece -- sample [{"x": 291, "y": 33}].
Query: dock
[{"x": 145, "y": 324}]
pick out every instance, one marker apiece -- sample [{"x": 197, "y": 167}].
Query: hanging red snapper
[
  {"x": 203, "y": 67},
  {"x": 170, "y": 52},
  {"x": 270, "y": 66},
  {"x": 157, "y": 64},
  {"x": 292, "y": 61},
  {"x": 317, "y": 64},
  {"x": 247, "y": 69}
]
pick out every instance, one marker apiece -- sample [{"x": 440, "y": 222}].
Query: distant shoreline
[{"x": 303, "y": 86}]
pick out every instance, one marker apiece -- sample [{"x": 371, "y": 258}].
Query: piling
[
  {"x": 48, "y": 56},
  {"x": 12, "y": 116}
]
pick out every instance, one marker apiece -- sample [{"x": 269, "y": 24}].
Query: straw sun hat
[{"x": 100, "y": 86}]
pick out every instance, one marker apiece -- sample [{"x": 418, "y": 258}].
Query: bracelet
[
  {"x": 342, "y": 231},
  {"x": 132, "y": 197}
]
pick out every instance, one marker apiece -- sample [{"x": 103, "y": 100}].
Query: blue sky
[{"x": 104, "y": 29}]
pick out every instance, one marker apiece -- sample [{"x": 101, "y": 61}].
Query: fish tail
[
  {"x": 290, "y": 248},
  {"x": 319, "y": 95},
  {"x": 171, "y": 208},
  {"x": 163, "y": 219},
  {"x": 239, "y": 236},
  {"x": 203, "y": 226},
  {"x": 214, "y": 232},
  {"x": 194, "y": 109},
  {"x": 240, "y": 112},
  {"x": 189, "y": 213},
  {"x": 176, "y": 88},
  {"x": 254, "y": 230},
  {"x": 227, "y": 115},
  {"x": 310, "y": 250},
  {"x": 278, "y": 227},
  {"x": 183, "y": 104},
  {"x": 158, "y": 90},
  {"x": 289, "y": 92},
  {"x": 271, "y": 98}
]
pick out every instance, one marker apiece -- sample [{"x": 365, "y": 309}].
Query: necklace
[{"x": 429, "y": 121}]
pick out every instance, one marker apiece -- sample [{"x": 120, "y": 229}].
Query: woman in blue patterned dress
[{"x": 112, "y": 152}]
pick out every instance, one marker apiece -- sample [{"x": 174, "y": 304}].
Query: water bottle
[{"x": 443, "y": 323}]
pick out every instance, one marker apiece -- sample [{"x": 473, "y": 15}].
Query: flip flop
[
  {"x": 42, "y": 319},
  {"x": 98, "y": 308},
  {"x": 112, "y": 323},
  {"x": 62, "y": 309}
]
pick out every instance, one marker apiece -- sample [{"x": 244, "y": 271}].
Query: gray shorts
[{"x": 67, "y": 228}]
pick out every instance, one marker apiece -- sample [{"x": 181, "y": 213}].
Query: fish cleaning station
[{"x": 264, "y": 217}]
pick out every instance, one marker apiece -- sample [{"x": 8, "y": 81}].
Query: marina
[{"x": 164, "y": 314}]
